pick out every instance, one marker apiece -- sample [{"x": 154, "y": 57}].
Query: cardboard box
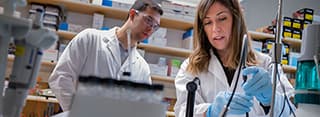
[
  {"x": 287, "y": 32},
  {"x": 304, "y": 14},
  {"x": 297, "y": 23},
  {"x": 287, "y": 21},
  {"x": 296, "y": 34}
]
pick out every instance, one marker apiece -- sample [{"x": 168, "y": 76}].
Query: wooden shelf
[
  {"x": 260, "y": 35},
  {"x": 170, "y": 114},
  {"x": 41, "y": 99},
  {"x": 295, "y": 43},
  {"x": 110, "y": 12},
  {"x": 162, "y": 79},
  {"x": 165, "y": 50},
  {"x": 122, "y": 14},
  {"x": 149, "y": 48},
  {"x": 185, "y": 53},
  {"x": 67, "y": 35},
  {"x": 289, "y": 69}
]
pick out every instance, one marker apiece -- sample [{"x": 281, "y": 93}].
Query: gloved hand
[
  {"x": 259, "y": 85},
  {"x": 240, "y": 104}
]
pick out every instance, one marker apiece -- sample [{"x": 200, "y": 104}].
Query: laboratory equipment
[
  {"x": 242, "y": 64},
  {"x": 276, "y": 57},
  {"x": 191, "y": 87},
  {"x": 30, "y": 40},
  {"x": 116, "y": 98},
  {"x": 307, "y": 89}
]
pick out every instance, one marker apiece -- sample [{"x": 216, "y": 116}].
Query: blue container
[
  {"x": 63, "y": 26},
  {"x": 107, "y": 3}
]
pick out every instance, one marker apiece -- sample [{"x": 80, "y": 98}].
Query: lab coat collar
[
  {"x": 215, "y": 67},
  {"x": 113, "y": 46}
]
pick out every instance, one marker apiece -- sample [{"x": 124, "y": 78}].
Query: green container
[{"x": 307, "y": 83}]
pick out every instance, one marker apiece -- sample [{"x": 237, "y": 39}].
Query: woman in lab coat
[
  {"x": 104, "y": 53},
  {"x": 218, "y": 31}
]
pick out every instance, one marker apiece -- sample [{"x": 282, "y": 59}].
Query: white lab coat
[
  {"x": 214, "y": 81},
  {"x": 93, "y": 53}
]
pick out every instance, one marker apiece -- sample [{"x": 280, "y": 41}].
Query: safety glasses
[{"x": 150, "y": 21}]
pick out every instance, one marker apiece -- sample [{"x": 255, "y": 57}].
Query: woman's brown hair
[{"x": 199, "y": 59}]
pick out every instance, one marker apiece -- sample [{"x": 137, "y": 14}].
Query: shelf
[
  {"x": 67, "y": 35},
  {"x": 165, "y": 50},
  {"x": 170, "y": 114},
  {"x": 185, "y": 53},
  {"x": 289, "y": 69},
  {"x": 162, "y": 79},
  {"x": 296, "y": 43},
  {"x": 110, "y": 12},
  {"x": 121, "y": 14},
  {"x": 41, "y": 99},
  {"x": 260, "y": 35},
  {"x": 149, "y": 48}
]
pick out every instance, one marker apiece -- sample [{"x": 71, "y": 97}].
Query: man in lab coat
[{"x": 105, "y": 53}]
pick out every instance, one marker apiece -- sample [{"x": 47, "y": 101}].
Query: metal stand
[
  {"x": 191, "y": 87},
  {"x": 276, "y": 57}
]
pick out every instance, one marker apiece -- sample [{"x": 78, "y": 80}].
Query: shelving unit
[
  {"x": 149, "y": 48},
  {"x": 110, "y": 12},
  {"x": 296, "y": 43},
  {"x": 185, "y": 53}
]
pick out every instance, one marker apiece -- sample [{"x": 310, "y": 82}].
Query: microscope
[{"x": 30, "y": 38}]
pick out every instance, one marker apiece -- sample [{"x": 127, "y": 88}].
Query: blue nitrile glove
[
  {"x": 240, "y": 104},
  {"x": 259, "y": 85}
]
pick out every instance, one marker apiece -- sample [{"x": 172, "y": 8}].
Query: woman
[{"x": 219, "y": 27}]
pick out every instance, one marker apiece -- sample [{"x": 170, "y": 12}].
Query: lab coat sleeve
[
  {"x": 289, "y": 90},
  {"x": 63, "y": 79},
  {"x": 182, "y": 78}
]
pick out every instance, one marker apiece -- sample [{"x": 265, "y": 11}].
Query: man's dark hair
[{"x": 142, "y": 5}]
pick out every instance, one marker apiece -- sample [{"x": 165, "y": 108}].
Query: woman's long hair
[{"x": 199, "y": 59}]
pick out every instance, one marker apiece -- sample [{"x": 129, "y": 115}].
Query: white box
[
  {"x": 188, "y": 18},
  {"x": 96, "y": 2},
  {"x": 76, "y": 28},
  {"x": 256, "y": 45},
  {"x": 187, "y": 39},
  {"x": 83, "y": 1},
  {"x": 161, "y": 32},
  {"x": 51, "y": 54},
  {"x": 156, "y": 69},
  {"x": 172, "y": 6},
  {"x": 190, "y": 10},
  {"x": 158, "y": 41},
  {"x": 97, "y": 20}
]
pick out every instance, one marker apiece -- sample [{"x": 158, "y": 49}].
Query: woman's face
[{"x": 217, "y": 25}]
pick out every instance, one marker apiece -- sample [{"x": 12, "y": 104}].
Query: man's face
[{"x": 145, "y": 23}]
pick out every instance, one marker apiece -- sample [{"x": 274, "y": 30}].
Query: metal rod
[
  {"x": 276, "y": 57},
  {"x": 191, "y": 87},
  {"x": 316, "y": 61}
]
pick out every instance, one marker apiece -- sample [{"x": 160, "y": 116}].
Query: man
[{"x": 105, "y": 53}]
